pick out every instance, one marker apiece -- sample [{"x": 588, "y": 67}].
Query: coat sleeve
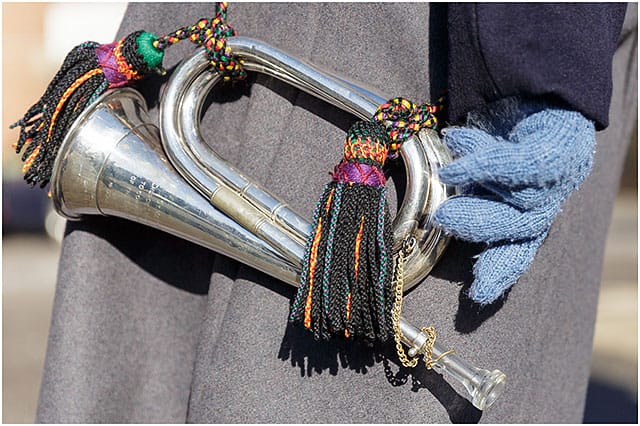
[{"x": 562, "y": 51}]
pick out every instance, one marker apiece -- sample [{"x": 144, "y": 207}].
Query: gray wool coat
[{"x": 150, "y": 328}]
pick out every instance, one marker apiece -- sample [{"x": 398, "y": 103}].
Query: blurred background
[{"x": 35, "y": 39}]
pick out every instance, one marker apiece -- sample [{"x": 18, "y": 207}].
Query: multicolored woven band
[
  {"x": 117, "y": 71},
  {"x": 359, "y": 173}
]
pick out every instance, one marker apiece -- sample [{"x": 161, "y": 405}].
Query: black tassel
[
  {"x": 90, "y": 69},
  {"x": 346, "y": 281},
  {"x": 87, "y": 72},
  {"x": 345, "y": 286}
]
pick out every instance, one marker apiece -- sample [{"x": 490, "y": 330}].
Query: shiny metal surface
[
  {"x": 198, "y": 162},
  {"x": 483, "y": 386},
  {"x": 111, "y": 163}
]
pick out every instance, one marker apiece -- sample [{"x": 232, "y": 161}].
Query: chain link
[{"x": 427, "y": 346}]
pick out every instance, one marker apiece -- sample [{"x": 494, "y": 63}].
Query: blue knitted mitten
[{"x": 516, "y": 164}]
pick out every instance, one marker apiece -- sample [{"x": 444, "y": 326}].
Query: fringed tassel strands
[
  {"x": 345, "y": 284},
  {"x": 348, "y": 245},
  {"x": 90, "y": 69},
  {"x": 87, "y": 71}
]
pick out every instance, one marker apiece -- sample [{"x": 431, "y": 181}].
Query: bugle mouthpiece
[{"x": 483, "y": 386}]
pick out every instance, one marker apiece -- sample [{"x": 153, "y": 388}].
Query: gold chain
[{"x": 427, "y": 346}]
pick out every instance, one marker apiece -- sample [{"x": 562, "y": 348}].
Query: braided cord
[
  {"x": 335, "y": 209},
  {"x": 403, "y": 118},
  {"x": 380, "y": 285},
  {"x": 212, "y": 34},
  {"x": 312, "y": 270},
  {"x": 300, "y": 297},
  {"x": 66, "y": 95}
]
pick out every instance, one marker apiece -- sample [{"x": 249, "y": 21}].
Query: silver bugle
[
  {"x": 111, "y": 163},
  {"x": 423, "y": 155}
]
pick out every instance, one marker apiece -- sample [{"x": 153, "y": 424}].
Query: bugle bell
[{"x": 112, "y": 163}]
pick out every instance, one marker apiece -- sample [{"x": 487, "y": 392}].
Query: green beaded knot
[{"x": 152, "y": 56}]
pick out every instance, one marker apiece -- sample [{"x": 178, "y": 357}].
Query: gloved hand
[{"x": 516, "y": 163}]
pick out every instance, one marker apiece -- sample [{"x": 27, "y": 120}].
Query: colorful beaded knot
[
  {"x": 212, "y": 34},
  {"x": 403, "y": 118}
]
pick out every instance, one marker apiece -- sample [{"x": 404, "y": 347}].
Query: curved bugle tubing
[
  {"x": 199, "y": 164},
  {"x": 112, "y": 163}
]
